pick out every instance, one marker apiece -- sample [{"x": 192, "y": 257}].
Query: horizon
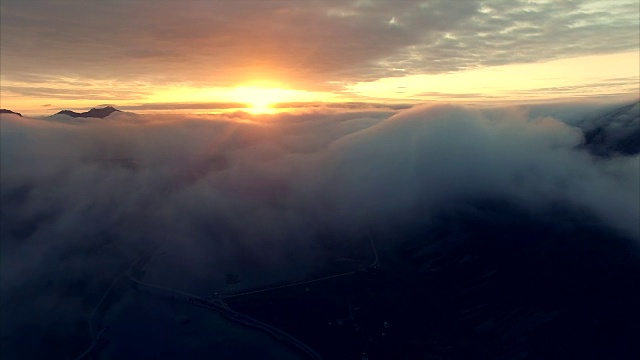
[
  {"x": 311, "y": 107},
  {"x": 257, "y": 55}
]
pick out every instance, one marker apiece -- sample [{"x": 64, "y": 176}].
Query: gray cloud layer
[
  {"x": 312, "y": 42},
  {"x": 196, "y": 181},
  {"x": 256, "y": 195}
]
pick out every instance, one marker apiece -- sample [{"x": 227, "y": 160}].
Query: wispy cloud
[
  {"x": 309, "y": 44},
  {"x": 76, "y": 93}
]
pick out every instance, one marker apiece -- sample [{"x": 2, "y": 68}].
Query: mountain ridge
[
  {"x": 614, "y": 132},
  {"x": 93, "y": 113},
  {"x": 7, "y": 111}
]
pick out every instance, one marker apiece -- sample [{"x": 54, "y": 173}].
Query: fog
[{"x": 257, "y": 195}]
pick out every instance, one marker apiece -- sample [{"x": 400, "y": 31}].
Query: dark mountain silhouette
[
  {"x": 6, "y": 111},
  {"x": 93, "y": 113},
  {"x": 615, "y": 132}
]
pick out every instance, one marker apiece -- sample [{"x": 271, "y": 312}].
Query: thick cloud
[
  {"x": 163, "y": 176},
  {"x": 260, "y": 195},
  {"x": 312, "y": 43}
]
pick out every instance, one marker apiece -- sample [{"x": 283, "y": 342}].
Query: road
[
  {"x": 219, "y": 304},
  {"x": 223, "y": 309},
  {"x": 374, "y": 264},
  {"x": 94, "y": 342},
  {"x": 96, "y": 338}
]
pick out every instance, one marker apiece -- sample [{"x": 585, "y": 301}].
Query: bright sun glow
[
  {"x": 260, "y": 99},
  {"x": 254, "y": 97},
  {"x": 579, "y": 76}
]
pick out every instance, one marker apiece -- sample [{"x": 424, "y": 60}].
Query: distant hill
[
  {"x": 5, "y": 111},
  {"x": 615, "y": 132},
  {"x": 93, "y": 113}
]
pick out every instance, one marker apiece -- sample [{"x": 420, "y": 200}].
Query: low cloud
[
  {"x": 194, "y": 181},
  {"x": 255, "y": 195}
]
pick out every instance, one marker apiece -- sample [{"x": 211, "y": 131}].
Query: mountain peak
[
  {"x": 7, "y": 111},
  {"x": 93, "y": 113},
  {"x": 615, "y": 132}
]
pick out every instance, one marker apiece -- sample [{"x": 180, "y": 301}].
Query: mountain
[
  {"x": 615, "y": 132},
  {"x": 6, "y": 111},
  {"x": 93, "y": 113}
]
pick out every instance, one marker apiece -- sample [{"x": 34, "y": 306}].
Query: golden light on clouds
[
  {"x": 260, "y": 99},
  {"x": 224, "y": 54},
  {"x": 585, "y": 76},
  {"x": 254, "y": 97}
]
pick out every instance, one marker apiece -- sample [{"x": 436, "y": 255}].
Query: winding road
[
  {"x": 374, "y": 264},
  {"x": 223, "y": 309},
  {"x": 219, "y": 304}
]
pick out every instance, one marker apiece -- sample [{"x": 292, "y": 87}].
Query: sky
[{"x": 208, "y": 55}]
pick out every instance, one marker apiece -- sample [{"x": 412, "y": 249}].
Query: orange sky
[{"x": 212, "y": 56}]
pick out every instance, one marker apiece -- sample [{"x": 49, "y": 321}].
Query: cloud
[
  {"x": 203, "y": 178},
  {"x": 259, "y": 195},
  {"x": 309, "y": 44},
  {"x": 76, "y": 93},
  {"x": 185, "y": 106}
]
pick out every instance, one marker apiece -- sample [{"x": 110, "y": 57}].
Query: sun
[
  {"x": 255, "y": 97},
  {"x": 262, "y": 100}
]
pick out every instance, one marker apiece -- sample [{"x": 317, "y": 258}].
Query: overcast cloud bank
[
  {"x": 257, "y": 194},
  {"x": 319, "y": 45}
]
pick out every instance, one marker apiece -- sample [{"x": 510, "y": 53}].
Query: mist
[{"x": 259, "y": 195}]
